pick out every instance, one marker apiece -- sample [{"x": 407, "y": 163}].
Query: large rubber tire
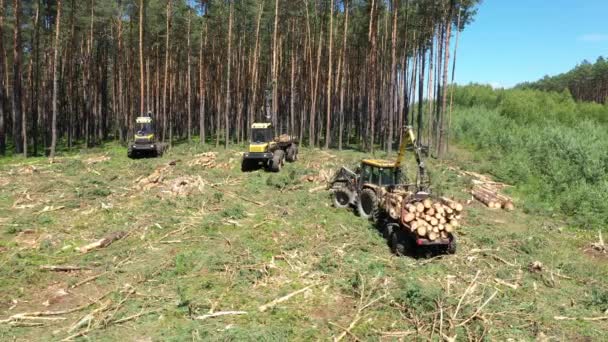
[
  {"x": 277, "y": 160},
  {"x": 292, "y": 153},
  {"x": 130, "y": 153},
  {"x": 342, "y": 197},
  {"x": 452, "y": 246},
  {"x": 401, "y": 243},
  {"x": 246, "y": 165},
  {"x": 367, "y": 205}
]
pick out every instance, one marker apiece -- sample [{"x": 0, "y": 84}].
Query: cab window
[
  {"x": 387, "y": 177},
  {"x": 259, "y": 135}
]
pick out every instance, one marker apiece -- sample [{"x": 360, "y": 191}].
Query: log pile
[
  {"x": 491, "y": 197},
  {"x": 432, "y": 218},
  {"x": 284, "y": 138}
]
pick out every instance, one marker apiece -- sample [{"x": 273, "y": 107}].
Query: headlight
[{"x": 151, "y": 146}]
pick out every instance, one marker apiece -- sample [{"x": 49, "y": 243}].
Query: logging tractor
[
  {"x": 268, "y": 151},
  {"x": 364, "y": 188},
  {"x": 406, "y": 213},
  {"x": 145, "y": 144}
]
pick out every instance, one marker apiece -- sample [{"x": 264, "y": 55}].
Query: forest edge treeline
[{"x": 335, "y": 72}]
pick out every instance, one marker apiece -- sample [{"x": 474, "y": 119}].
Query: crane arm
[{"x": 410, "y": 139}]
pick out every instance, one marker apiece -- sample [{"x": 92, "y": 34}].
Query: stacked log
[
  {"x": 492, "y": 198},
  {"x": 432, "y": 218}
]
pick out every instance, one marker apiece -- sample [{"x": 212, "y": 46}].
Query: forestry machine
[
  {"x": 365, "y": 187},
  {"x": 144, "y": 143},
  {"x": 268, "y": 152}
]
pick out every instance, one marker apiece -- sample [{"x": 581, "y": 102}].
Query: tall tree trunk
[
  {"x": 202, "y": 85},
  {"x": 372, "y": 73},
  {"x": 393, "y": 81},
  {"x": 275, "y": 90},
  {"x": 254, "y": 75},
  {"x": 228, "y": 66},
  {"x": 2, "y": 89},
  {"x": 420, "y": 120},
  {"x": 35, "y": 79},
  {"x": 16, "y": 95},
  {"x": 446, "y": 63},
  {"x": 166, "y": 78},
  {"x": 55, "y": 81},
  {"x": 142, "y": 110},
  {"x": 121, "y": 121},
  {"x": 313, "y": 108},
  {"x": 329, "y": 75},
  {"x": 447, "y": 134},
  {"x": 189, "y": 82},
  {"x": 343, "y": 75}
]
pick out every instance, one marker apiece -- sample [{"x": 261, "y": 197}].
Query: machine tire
[
  {"x": 401, "y": 243},
  {"x": 452, "y": 246},
  {"x": 367, "y": 205},
  {"x": 130, "y": 152},
  {"x": 342, "y": 197},
  {"x": 277, "y": 160},
  {"x": 245, "y": 166}
]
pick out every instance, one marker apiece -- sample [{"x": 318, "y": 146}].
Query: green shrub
[
  {"x": 236, "y": 212},
  {"x": 551, "y": 148}
]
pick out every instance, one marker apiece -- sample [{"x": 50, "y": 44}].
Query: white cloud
[
  {"x": 497, "y": 85},
  {"x": 593, "y": 37}
]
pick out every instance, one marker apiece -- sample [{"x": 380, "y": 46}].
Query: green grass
[{"x": 215, "y": 250}]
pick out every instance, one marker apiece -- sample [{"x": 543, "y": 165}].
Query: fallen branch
[
  {"x": 215, "y": 186},
  {"x": 588, "y": 319},
  {"x": 62, "y": 268},
  {"x": 319, "y": 188},
  {"x": 87, "y": 280},
  {"x": 468, "y": 289},
  {"x": 132, "y": 317},
  {"x": 220, "y": 313},
  {"x": 346, "y": 331},
  {"x": 478, "y": 310},
  {"x": 502, "y": 282},
  {"x": 102, "y": 243},
  {"x": 272, "y": 304}
]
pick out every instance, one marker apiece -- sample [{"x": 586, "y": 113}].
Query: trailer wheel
[
  {"x": 452, "y": 246},
  {"x": 400, "y": 241},
  {"x": 367, "y": 205},
  {"x": 342, "y": 197},
  {"x": 277, "y": 160}
]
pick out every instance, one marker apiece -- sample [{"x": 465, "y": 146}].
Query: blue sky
[{"x": 513, "y": 41}]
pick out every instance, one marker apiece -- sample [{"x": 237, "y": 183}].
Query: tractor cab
[
  {"x": 261, "y": 133},
  {"x": 382, "y": 173},
  {"x": 144, "y": 130},
  {"x": 144, "y": 142}
]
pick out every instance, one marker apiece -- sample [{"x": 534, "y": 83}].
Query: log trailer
[
  {"x": 379, "y": 192},
  {"x": 268, "y": 152},
  {"x": 144, "y": 143}
]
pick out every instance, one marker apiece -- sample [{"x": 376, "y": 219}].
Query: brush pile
[
  {"x": 206, "y": 160},
  {"x": 432, "y": 218}
]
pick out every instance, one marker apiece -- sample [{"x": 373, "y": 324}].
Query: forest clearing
[
  {"x": 202, "y": 170},
  {"x": 208, "y": 252}
]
